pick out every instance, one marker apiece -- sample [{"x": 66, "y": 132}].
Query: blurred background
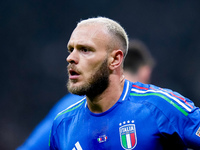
[{"x": 33, "y": 38}]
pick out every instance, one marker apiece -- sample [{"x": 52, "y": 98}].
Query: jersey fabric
[
  {"x": 145, "y": 117},
  {"x": 39, "y": 138}
]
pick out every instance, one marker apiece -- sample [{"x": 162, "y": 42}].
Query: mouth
[{"x": 73, "y": 74}]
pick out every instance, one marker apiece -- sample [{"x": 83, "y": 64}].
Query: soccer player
[
  {"x": 117, "y": 113},
  {"x": 138, "y": 66}
]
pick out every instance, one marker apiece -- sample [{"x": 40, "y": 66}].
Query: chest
[{"x": 123, "y": 128}]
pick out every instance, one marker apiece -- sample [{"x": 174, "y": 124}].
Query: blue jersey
[
  {"x": 145, "y": 117},
  {"x": 39, "y": 138}
]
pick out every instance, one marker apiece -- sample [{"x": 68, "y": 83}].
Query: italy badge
[{"x": 128, "y": 136}]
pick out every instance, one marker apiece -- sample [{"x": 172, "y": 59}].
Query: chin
[{"x": 75, "y": 88}]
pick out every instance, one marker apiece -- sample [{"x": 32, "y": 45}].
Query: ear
[{"x": 115, "y": 59}]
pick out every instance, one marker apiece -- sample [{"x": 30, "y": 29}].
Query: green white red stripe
[
  {"x": 128, "y": 136},
  {"x": 128, "y": 140},
  {"x": 166, "y": 96},
  {"x": 179, "y": 97},
  {"x": 70, "y": 108}
]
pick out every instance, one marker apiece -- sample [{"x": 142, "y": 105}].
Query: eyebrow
[{"x": 81, "y": 45}]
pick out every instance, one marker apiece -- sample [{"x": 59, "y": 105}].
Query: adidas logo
[{"x": 77, "y": 146}]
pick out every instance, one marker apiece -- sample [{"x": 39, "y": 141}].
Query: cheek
[
  {"x": 91, "y": 65},
  {"x": 88, "y": 69}
]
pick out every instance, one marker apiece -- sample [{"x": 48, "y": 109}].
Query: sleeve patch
[{"x": 198, "y": 132}]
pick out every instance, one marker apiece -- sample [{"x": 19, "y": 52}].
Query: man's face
[{"x": 88, "y": 60}]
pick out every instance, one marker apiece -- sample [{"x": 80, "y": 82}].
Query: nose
[{"x": 72, "y": 57}]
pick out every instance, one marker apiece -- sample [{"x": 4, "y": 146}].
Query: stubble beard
[{"x": 95, "y": 85}]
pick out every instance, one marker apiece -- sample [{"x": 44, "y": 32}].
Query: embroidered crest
[{"x": 128, "y": 136}]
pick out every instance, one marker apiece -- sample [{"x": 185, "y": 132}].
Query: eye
[
  {"x": 70, "y": 49},
  {"x": 84, "y": 49}
]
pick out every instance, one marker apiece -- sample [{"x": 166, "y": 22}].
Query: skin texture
[{"x": 88, "y": 47}]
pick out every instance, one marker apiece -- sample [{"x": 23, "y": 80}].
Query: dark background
[{"x": 33, "y": 38}]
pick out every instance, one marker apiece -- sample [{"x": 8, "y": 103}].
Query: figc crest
[{"x": 128, "y": 136}]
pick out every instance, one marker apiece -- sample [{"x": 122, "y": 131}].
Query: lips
[{"x": 73, "y": 73}]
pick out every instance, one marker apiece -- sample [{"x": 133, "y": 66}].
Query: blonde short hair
[{"x": 113, "y": 27}]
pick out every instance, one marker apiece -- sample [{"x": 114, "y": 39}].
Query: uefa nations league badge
[{"x": 128, "y": 136}]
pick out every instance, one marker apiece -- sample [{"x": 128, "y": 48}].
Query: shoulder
[
  {"x": 63, "y": 103},
  {"x": 164, "y": 99},
  {"x": 71, "y": 109},
  {"x": 69, "y": 112},
  {"x": 172, "y": 111}
]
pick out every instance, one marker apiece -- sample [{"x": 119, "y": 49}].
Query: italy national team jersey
[{"x": 145, "y": 117}]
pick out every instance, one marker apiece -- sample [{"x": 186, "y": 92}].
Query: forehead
[{"x": 89, "y": 34}]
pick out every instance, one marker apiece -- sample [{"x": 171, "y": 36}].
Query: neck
[{"x": 104, "y": 101}]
